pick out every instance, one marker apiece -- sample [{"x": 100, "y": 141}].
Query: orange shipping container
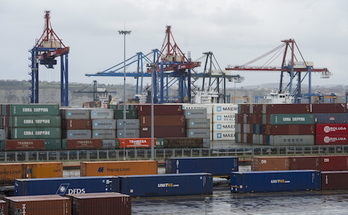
[
  {"x": 115, "y": 168},
  {"x": 270, "y": 163},
  {"x": 136, "y": 142},
  {"x": 10, "y": 171},
  {"x": 43, "y": 170}
]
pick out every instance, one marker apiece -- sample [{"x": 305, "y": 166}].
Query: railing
[{"x": 162, "y": 154}]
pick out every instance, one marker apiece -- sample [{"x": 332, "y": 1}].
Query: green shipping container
[
  {"x": 35, "y": 133},
  {"x": 288, "y": 119},
  {"x": 35, "y": 121},
  {"x": 53, "y": 144},
  {"x": 32, "y": 109},
  {"x": 130, "y": 114}
]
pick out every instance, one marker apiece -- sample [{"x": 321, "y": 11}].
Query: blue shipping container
[
  {"x": 331, "y": 118},
  {"x": 217, "y": 166},
  {"x": 166, "y": 184},
  {"x": 275, "y": 181},
  {"x": 63, "y": 186}
]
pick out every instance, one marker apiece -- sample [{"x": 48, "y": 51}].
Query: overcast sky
[{"x": 236, "y": 31}]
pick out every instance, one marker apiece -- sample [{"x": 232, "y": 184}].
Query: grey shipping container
[
  {"x": 2, "y": 134},
  {"x": 104, "y": 134},
  {"x": 130, "y": 124},
  {"x": 103, "y": 124},
  {"x": 77, "y": 134},
  {"x": 197, "y": 123},
  {"x": 109, "y": 144},
  {"x": 102, "y": 113},
  {"x": 195, "y": 113},
  {"x": 78, "y": 113},
  {"x": 167, "y": 184},
  {"x": 290, "y": 140},
  {"x": 204, "y": 133},
  {"x": 130, "y": 133}
]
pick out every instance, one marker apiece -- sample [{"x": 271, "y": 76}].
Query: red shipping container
[
  {"x": 101, "y": 204},
  {"x": 163, "y": 120},
  {"x": 334, "y": 162},
  {"x": 19, "y": 145},
  {"x": 288, "y": 129},
  {"x": 77, "y": 124},
  {"x": 135, "y": 142},
  {"x": 257, "y": 108},
  {"x": 330, "y": 139},
  {"x": 244, "y": 108},
  {"x": 331, "y": 129},
  {"x": 334, "y": 180},
  {"x": 161, "y": 131},
  {"x": 3, "y": 207},
  {"x": 285, "y": 108},
  {"x": 39, "y": 205},
  {"x": 328, "y": 108},
  {"x": 304, "y": 162},
  {"x": 145, "y": 109},
  {"x": 84, "y": 143}
]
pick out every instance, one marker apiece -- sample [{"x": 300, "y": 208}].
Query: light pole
[{"x": 124, "y": 33}]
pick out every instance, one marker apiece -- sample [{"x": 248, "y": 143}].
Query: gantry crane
[
  {"x": 47, "y": 48},
  {"x": 169, "y": 67},
  {"x": 294, "y": 65}
]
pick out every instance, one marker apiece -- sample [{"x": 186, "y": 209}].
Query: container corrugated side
[
  {"x": 25, "y": 145},
  {"x": 43, "y": 170},
  {"x": 165, "y": 131},
  {"x": 167, "y": 185},
  {"x": 10, "y": 171},
  {"x": 334, "y": 180},
  {"x": 197, "y": 123},
  {"x": 36, "y": 133},
  {"x": 287, "y": 119},
  {"x": 162, "y": 120},
  {"x": 36, "y": 205},
  {"x": 77, "y": 134},
  {"x": 76, "y": 113},
  {"x": 331, "y": 118},
  {"x": 334, "y": 162},
  {"x": 130, "y": 133},
  {"x": 135, "y": 142},
  {"x": 66, "y": 185},
  {"x": 103, "y": 124},
  {"x": 116, "y": 168},
  {"x": 183, "y": 142},
  {"x": 217, "y": 166},
  {"x": 101, "y": 203},
  {"x": 290, "y": 140},
  {"x": 304, "y": 162},
  {"x": 285, "y": 108},
  {"x": 130, "y": 124},
  {"x": 77, "y": 124},
  {"x": 32, "y": 109},
  {"x": 269, "y": 163},
  {"x": 198, "y": 132},
  {"x": 103, "y": 134},
  {"x": 53, "y": 144},
  {"x": 289, "y": 129},
  {"x": 328, "y": 108},
  {"x": 102, "y": 113},
  {"x": 159, "y": 109},
  {"x": 331, "y": 139},
  {"x": 2, "y": 134},
  {"x": 275, "y": 181},
  {"x": 195, "y": 113},
  {"x": 82, "y": 144},
  {"x": 130, "y": 114},
  {"x": 34, "y": 121}
]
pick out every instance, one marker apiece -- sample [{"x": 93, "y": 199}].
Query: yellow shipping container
[
  {"x": 10, "y": 171},
  {"x": 115, "y": 168},
  {"x": 43, "y": 170}
]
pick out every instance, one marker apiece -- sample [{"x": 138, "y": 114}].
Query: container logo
[
  {"x": 328, "y": 129},
  {"x": 101, "y": 169},
  {"x": 334, "y": 139},
  {"x": 279, "y": 181},
  {"x": 167, "y": 185}
]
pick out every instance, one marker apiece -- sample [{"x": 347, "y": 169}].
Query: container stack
[
  {"x": 32, "y": 126},
  {"x": 197, "y": 122},
  {"x": 223, "y": 121},
  {"x": 291, "y": 124},
  {"x": 132, "y": 122},
  {"x": 169, "y": 121},
  {"x": 103, "y": 127}
]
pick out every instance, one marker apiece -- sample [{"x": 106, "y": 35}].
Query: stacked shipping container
[{"x": 291, "y": 124}]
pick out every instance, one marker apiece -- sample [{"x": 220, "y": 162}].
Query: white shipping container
[
  {"x": 223, "y": 135},
  {"x": 224, "y": 117},
  {"x": 224, "y": 126},
  {"x": 225, "y": 108}
]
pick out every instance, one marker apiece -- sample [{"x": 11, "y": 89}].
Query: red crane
[{"x": 292, "y": 65}]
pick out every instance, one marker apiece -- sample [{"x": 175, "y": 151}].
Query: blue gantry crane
[
  {"x": 169, "y": 68},
  {"x": 47, "y": 48}
]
